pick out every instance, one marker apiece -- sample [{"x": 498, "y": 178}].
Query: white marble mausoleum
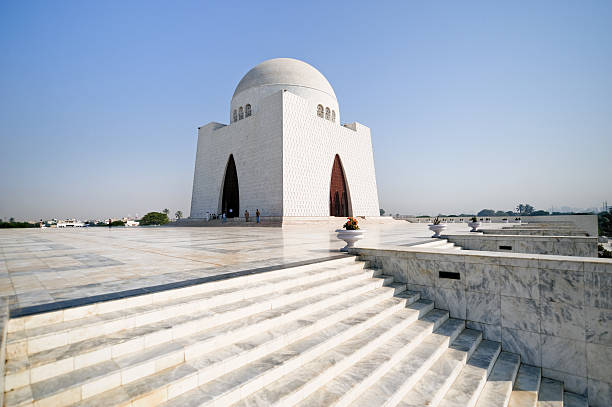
[{"x": 285, "y": 151}]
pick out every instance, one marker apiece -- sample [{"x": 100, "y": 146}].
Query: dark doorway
[
  {"x": 231, "y": 198},
  {"x": 338, "y": 201}
]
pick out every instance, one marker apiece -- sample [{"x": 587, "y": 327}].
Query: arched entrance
[
  {"x": 230, "y": 201},
  {"x": 338, "y": 194}
]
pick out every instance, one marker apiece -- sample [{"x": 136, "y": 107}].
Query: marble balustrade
[{"x": 555, "y": 311}]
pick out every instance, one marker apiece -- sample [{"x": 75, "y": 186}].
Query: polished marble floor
[{"x": 40, "y": 266}]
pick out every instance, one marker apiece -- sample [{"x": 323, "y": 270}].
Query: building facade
[{"x": 284, "y": 151}]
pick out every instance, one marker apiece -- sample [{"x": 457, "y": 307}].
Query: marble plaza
[{"x": 42, "y": 266}]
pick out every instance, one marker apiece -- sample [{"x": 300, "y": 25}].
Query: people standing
[
  {"x": 109, "y": 223},
  {"x": 246, "y": 215},
  {"x": 224, "y": 218},
  {"x": 257, "y": 215}
]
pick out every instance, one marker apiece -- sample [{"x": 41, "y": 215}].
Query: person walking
[
  {"x": 257, "y": 215},
  {"x": 110, "y": 221},
  {"x": 246, "y": 215},
  {"x": 224, "y": 217}
]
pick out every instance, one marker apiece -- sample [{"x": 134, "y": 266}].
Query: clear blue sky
[{"x": 471, "y": 104}]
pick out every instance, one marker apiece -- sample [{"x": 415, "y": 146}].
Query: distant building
[{"x": 69, "y": 223}]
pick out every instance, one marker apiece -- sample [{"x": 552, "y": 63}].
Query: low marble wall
[
  {"x": 555, "y": 245},
  {"x": 588, "y": 223},
  {"x": 556, "y": 312},
  {"x": 532, "y": 232}
]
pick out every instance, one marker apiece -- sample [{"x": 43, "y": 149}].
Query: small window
[
  {"x": 235, "y": 116},
  {"x": 320, "y": 110},
  {"x": 240, "y": 113},
  {"x": 327, "y": 113},
  {"x": 333, "y": 115},
  {"x": 247, "y": 110}
]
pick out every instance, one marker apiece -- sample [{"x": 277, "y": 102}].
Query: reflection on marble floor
[{"x": 41, "y": 266}]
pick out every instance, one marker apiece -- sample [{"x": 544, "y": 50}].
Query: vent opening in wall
[
  {"x": 505, "y": 247},
  {"x": 451, "y": 275}
]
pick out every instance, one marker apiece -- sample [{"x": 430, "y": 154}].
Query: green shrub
[{"x": 154, "y": 218}]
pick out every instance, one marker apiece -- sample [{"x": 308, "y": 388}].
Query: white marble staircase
[{"x": 330, "y": 333}]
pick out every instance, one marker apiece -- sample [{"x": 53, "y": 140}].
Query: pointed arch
[
  {"x": 230, "y": 195},
  {"x": 338, "y": 191}
]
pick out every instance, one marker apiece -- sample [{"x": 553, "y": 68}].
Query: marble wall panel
[
  {"x": 520, "y": 313},
  {"x": 452, "y": 300},
  {"x": 599, "y": 362},
  {"x": 482, "y": 277},
  {"x": 598, "y": 289},
  {"x": 600, "y": 266},
  {"x": 562, "y": 286},
  {"x": 396, "y": 267},
  {"x": 526, "y": 344},
  {"x": 420, "y": 271},
  {"x": 565, "y": 355},
  {"x": 489, "y": 245},
  {"x": 564, "y": 320},
  {"x": 558, "y": 265},
  {"x": 600, "y": 393},
  {"x": 483, "y": 307},
  {"x": 599, "y": 325},
  {"x": 453, "y": 267},
  {"x": 518, "y": 262},
  {"x": 519, "y": 281}
]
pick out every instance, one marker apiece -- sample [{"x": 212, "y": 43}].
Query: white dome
[{"x": 278, "y": 74}]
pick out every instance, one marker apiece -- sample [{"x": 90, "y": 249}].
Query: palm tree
[
  {"x": 178, "y": 215},
  {"x": 166, "y": 211}
]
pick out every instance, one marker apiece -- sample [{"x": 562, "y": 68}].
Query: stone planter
[
  {"x": 350, "y": 237},
  {"x": 437, "y": 229},
  {"x": 474, "y": 226}
]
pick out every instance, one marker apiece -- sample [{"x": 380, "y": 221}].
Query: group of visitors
[
  {"x": 247, "y": 215},
  {"x": 223, "y": 216}
]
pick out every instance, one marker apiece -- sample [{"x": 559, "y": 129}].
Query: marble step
[
  {"x": 437, "y": 380},
  {"x": 574, "y": 400},
  {"x": 551, "y": 393},
  {"x": 103, "y": 376},
  {"x": 525, "y": 392},
  {"x": 435, "y": 244},
  {"x": 297, "y": 385},
  {"x": 391, "y": 388},
  {"x": 498, "y": 388},
  {"x": 466, "y": 388},
  {"x": 348, "y": 385},
  {"x": 43, "y": 365},
  {"x": 51, "y": 336},
  {"x": 230, "y": 368},
  {"x": 228, "y": 285}
]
